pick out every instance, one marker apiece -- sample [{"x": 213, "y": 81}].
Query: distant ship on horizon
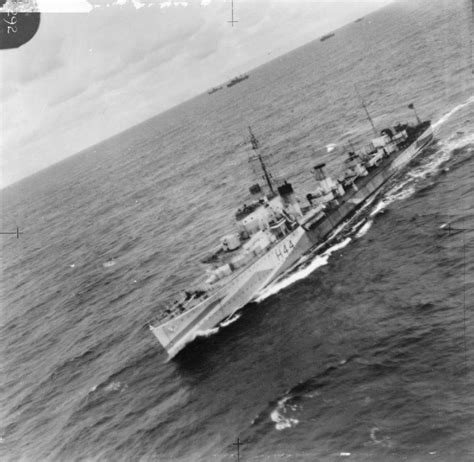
[
  {"x": 237, "y": 80},
  {"x": 327, "y": 36},
  {"x": 359, "y": 19},
  {"x": 214, "y": 89}
]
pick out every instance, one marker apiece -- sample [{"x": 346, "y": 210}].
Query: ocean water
[{"x": 362, "y": 353}]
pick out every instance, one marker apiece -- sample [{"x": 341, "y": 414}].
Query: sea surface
[{"x": 362, "y": 353}]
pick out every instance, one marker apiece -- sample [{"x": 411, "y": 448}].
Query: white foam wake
[
  {"x": 385, "y": 441},
  {"x": 378, "y": 208},
  {"x": 433, "y": 163},
  {"x": 398, "y": 193},
  {"x": 208, "y": 332},
  {"x": 456, "y": 142},
  {"x": 408, "y": 186},
  {"x": 205, "y": 333},
  {"x": 364, "y": 229},
  {"x": 346, "y": 224},
  {"x": 230, "y": 320},
  {"x": 277, "y": 415},
  {"x": 453, "y": 111},
  {"x": 315, "y": 263}
]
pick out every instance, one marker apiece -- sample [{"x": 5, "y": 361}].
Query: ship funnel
[
  {"x": 255, "y": 189},
  {"x": 289, "y": 200},
  {"x": 287, "y": 193},
  {"x": 326, "y": 185},
  {"x": 319, "y": 172},
  {"x": 285, "y": 190}
]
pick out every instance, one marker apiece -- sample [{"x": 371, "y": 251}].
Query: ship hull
[{"x": 241, "y": 289}]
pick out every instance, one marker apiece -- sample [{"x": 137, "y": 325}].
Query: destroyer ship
[{"x": 274, "y": 231}]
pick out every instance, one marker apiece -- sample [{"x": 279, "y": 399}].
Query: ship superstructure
[{"x": 275, "y": 229}]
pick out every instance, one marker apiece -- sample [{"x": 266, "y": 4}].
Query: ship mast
[
  {"x": 366, "y": 110},
  {"x": 255, "y": 146}
]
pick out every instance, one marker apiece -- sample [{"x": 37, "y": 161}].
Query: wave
[
  {"x": 65, "y": 371},
  {"x": 282, "y": 410},
  {"x": 115, "y": 386},
  {"x": 109, "y": 263},
  {"x": 385, "y": 441},
  {"x": 110, "y": 387}
]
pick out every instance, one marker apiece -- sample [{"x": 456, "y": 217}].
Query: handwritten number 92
[{"x": 11, "y": 24}]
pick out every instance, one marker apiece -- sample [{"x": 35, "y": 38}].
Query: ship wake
[
  {"x": 304, "y": 268},
  {"x": 214, "y": 330},
  {"x": 453, "y": 111},
  {"x": 230, "y": 320},
  {"x": 204, "y": 333},
  {"x": 430, "y": 166}
]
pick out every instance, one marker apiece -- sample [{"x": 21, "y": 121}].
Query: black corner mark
[{"x": 17, "y": 28}]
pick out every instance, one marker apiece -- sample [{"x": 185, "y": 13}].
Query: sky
[{"x": 106, "y": 65}]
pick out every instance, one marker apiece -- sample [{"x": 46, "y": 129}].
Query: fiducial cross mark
[
  {"x": 232, "y": 21},
  {"x": 238, "y": 443},
  {"x": 17, "y": 232}
]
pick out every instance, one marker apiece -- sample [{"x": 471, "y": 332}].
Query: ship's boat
[{"x": 275, "y": 229}]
